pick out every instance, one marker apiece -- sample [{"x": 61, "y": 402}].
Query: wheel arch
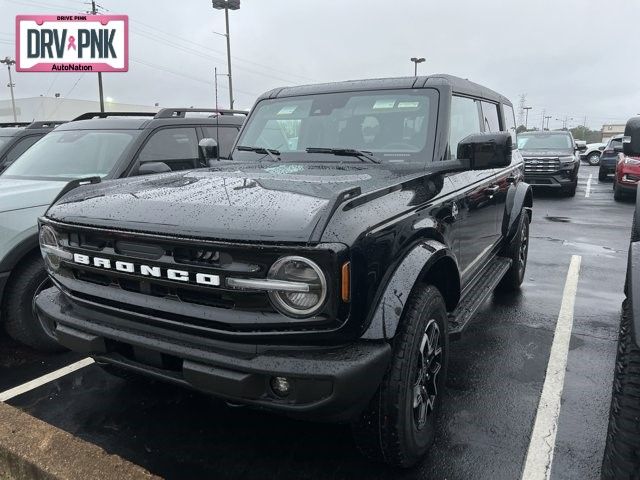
[
  {"x": 519, "y": 198},
  {"x": 429, "y": 262},
  {"x": 18, "y": 253}
]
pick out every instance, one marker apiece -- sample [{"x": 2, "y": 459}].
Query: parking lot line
[
  {"x": 588, "y": 190},
  {"x": 49, "y": 377},
  {"x": 543, "y": 438}
]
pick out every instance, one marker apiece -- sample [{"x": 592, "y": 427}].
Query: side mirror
[
  {"x": 209, "y": 148},
  {"x": 484, "y": 151},
  {"x": 631, "y": 140},
  {"x": 148, "y": 168}
]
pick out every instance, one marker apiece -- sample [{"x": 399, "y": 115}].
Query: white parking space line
[
  {"x": 543, "y": 438},
  {"x": 588, "y": 191},
  {"x": 49, "y": 377}
]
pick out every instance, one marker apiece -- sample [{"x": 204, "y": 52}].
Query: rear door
[{"x": 475, "y": 224}]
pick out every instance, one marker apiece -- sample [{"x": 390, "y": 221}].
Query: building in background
[
  {"x": 52, "y": 108},
  {"x": 612, "y": 130}
]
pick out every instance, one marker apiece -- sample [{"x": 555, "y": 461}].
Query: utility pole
[
  {"x": 10, "y": 62},
  {"x": 226, "y": 5},
  {"x": 547, "y": 118},
  {"x": 416, "y": 61},
  {"x": 215, "y": 75},
  {"x": 521, "y": 104},
  {"x": 94, "y": 12},
  {"x": 526, "y": 116},
  {"x": 543, "y": 118}
]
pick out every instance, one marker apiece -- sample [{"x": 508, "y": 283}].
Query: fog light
[{"x": 280, "y": 386}]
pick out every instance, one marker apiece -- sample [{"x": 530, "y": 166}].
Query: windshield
[
  {"x": 73, "y": 154},
  {"x": 394, "y": 125},
  {"x": 4, "y": 140},
  {"x": 544, "y": 142}
]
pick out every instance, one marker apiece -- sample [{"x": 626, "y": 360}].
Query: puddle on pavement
[
  {"x": 591, "y": 249},
  {"x": 557, "y": 219}
]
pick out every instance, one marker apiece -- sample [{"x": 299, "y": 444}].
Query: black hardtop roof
[
  {"x": 458, "y": 85},
  {"x": 141, "y": 123},
  {"x": 9, "y": 129}
]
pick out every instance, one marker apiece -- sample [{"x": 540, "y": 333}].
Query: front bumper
[
  {"x": 329, "y": 384},
  {"x": 554, "y": 180}
]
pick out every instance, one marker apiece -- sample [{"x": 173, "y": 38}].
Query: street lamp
[
  {"x": 227, "y": 5},
  {"x": 10, "y": 62},
  {"x": 416, "y": 61},
  {"x": 526, "y": 116}
]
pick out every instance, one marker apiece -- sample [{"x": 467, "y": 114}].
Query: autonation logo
[{"x": 71, "y": 43}]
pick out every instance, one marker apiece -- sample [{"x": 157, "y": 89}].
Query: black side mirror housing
[
  {"x": 484, "y": 151},
  {"x": 148, "y": 168},
  {"x": 631, "y": 140},
  {"x": 209, "y": 148}
]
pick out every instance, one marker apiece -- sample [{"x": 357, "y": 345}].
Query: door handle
[
  {"x": 511, "y": 179},
  {"x": 492, "y": 190}
]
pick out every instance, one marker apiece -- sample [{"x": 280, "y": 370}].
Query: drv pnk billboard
[{"x": 72, "y": 43}]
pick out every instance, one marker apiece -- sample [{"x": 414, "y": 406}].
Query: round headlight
[
  {"x": 304, "y": 272},
  {"x": 49, "y": 245}
]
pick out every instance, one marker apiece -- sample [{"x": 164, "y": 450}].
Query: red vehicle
[{"x": 627, "y": 176}]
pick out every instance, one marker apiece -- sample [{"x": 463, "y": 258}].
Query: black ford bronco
[{"x": 321, "y": 271}]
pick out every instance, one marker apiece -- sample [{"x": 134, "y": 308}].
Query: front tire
[
  {"x": 621, "y": 454},
  {"x": 593, "y": 159},
  {"x": 518, "y": 252},
  {"x": 20, "y": 321},
  {"x": 571, "y": 190},
  {"x": 618, "y": 194},
  {"x": 398, "y": 426}
]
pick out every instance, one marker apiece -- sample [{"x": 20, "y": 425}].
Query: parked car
[
  {"x": 551, "y": 159},
  {"x": 621, "y": 459},
  {"x": 592, "y": 153},
  {"x": 625, "y": 183},
  {"x": 92, "y": 148},
  {"x": 319, "y": 273},
  {"x": 16, "y": 138},
  {"x": 609, "y": 157}
]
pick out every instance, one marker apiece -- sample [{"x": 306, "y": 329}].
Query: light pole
[
  {"x": 416, "y": 61},
  {"x": 227, "y": 5},
  {"x": 10, "y": 62},
  {"x": 526, "y": 116}
]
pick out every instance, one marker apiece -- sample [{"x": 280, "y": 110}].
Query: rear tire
[
  {"x": 398, "y": 426},
  {"x": 622, "y": 450},
  {"x": 518, "y": 252},
  {"x": 593, "y": 159},
  {"x": 20, "y": 321},
  {"x": 602, "y": 174}
]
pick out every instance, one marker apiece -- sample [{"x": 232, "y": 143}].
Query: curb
[{"x": 33, "y": 449}]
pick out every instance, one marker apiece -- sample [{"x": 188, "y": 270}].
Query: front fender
[
  {"x": 386, "y": 315},
  {"x": 519, "y": 197}
]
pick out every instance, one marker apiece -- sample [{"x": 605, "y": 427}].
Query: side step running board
[{"x": 482, "y": 287}]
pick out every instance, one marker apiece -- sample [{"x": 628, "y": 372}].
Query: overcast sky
[{"x": 572, "y": 58}]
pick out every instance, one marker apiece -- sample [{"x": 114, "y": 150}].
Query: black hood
[
  {"x": 556, "y": 152},
  {"x": 248, "y": 202}
]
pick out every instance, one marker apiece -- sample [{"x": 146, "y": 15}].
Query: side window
[
  {"x": 465, "y": 120},
  {"x": 20, "y": 147},
  {"x": 510, "y": 122},
  {"x": 490, "y": 117},
  {"x": 225, "y": 137},
  {"x": 177, "y": 147}
]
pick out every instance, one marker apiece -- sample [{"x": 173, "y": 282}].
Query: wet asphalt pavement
[{"x": 496, "y": 373}]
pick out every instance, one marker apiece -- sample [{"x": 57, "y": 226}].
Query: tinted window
[
  {"x": 224, "y": 136},
  {"x": 613, "y": 143},
  {"x": 510, "y": 122},
  {"x": 20, "y": 147},
  {"x": 177, "y": 147},
  {"x": 73, "y": 154},
  {"x": 490, "y": 117},
  {"x": 464, "y": 121}
]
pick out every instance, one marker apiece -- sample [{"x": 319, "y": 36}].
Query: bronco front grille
[{"x": 541, "y": 165}]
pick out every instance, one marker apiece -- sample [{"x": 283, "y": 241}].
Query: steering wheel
[{"x": 398, "y": 145}]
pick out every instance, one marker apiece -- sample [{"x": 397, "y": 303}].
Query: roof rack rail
[
  {"x": 14, "y": 124},
  {"x": 181, "y": 112},
  {"x": 90, "y": 115},
  {"x": 45, "y": 124}
]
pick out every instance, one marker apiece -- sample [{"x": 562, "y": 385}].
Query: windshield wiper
[
  {"x": 345, "y": 152},
  {"x": 272, "y": 152}
]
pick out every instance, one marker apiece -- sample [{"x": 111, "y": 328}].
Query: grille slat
[{"x": 541, "y": 165}]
